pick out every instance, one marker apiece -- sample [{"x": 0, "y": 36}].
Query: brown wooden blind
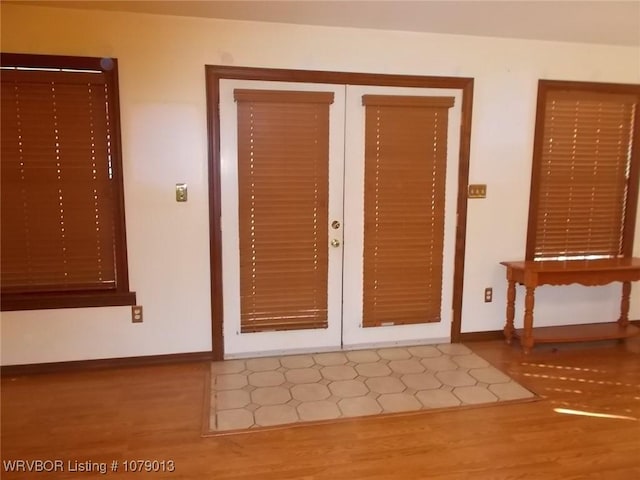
[
  {"x": 57, "y": 186},
  {"x": 283, "y": 182},
  {"x": 581, "y": 175},
  {"x": 404, "y": 199}
]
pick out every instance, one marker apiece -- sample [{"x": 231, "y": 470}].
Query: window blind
[
  {"x": 580, "y": 184},
  {"x": 404, "y": 200},
  {"x": 283, "y": 183},
  {"x": 57, "y": 185}
]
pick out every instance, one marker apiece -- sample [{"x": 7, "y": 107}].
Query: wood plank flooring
[{"x": 155, "y": 413}]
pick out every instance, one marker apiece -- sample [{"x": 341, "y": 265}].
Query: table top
[{"x": 600, "y": 264}]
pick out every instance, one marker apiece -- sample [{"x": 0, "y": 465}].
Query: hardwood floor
[{"x": 155, "y": 413}]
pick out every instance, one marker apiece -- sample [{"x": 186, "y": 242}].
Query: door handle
[{"x": 335, "y": 243}]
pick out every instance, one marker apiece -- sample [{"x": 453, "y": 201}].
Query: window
[
  {"x": 584, "y": 186},
  {"x": 63, "y": 230}
]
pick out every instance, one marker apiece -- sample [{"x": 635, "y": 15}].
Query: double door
[{"x": 338, "y": 215}]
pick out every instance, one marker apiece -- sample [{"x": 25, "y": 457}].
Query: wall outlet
[
  {"x": 477, "y": 190},
  {"x": 136, "y": 314},
  {"x": 488, "y": 294}
]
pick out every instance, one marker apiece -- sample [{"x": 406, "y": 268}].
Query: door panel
[
  {"x": 265, "y": 298},
  {"x": 398, "y": 276},
  {"x": 281, "y": 150}
]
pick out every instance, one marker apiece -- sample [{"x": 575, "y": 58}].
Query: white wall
[{"x": 163, "y": 108}]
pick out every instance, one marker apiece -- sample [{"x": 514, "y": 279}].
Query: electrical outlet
[
  {"x": 478, "y": 190},
  {"x": 488, "y": 294},
  {"x": 136, "y": 314}
]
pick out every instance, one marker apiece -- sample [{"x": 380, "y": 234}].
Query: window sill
[{"x": 43, "y": 301}]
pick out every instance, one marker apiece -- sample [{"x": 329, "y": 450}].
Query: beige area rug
[{"x": 269, "y": 392}]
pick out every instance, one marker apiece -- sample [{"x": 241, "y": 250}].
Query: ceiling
[{"x": 605, "y": 22}]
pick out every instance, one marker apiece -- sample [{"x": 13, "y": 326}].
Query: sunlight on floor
[
  {"x": 578, "y": 382},
  {"x": 568, "y": 411},
  {"x": 562, "y": 367}
]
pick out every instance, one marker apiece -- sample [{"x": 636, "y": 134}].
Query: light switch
[{"x": 181, "y": 192}]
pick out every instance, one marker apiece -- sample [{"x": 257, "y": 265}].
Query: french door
[{"x": 337, "y": 215}]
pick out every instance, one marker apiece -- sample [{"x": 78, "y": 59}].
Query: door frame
[{"x": 214, "y": 73}]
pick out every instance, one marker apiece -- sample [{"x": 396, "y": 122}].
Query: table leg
[
  {"x": 623, "y": 321},
  {"x": 511, "y": 311},
  {"x": 527, "y": 334}
]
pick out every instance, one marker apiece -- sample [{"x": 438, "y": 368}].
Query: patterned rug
[{"x": 270, "y": 392}]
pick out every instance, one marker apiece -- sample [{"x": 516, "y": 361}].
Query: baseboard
[
  {"x": 83, "y": 365},
  {"x": 499, "y": 335},
  {"x": 481, "y": 336}
]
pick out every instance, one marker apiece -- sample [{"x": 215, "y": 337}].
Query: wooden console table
[{"x": 584, "y": 272}]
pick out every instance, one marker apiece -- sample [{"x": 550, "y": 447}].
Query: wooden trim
[
  {"x": 100, "y": 364},
  {"x": 481, "y": 336},
  {"x": 461, "y": 210},
  {"x": 632, "y": 192},
  {"x": 52, "y": 61},
  {"x": 407, "y": 101},
  {"x": 44, "y": 301},
  {"x": 122, "y": 263},
  {"x": 601, "y": 87},
  {"x": 499, "y": 334},
  {"x": 538, "y": 137},
  {"x": 214, "y": 73},
  {"x": 281, "y": 96},
  {"x": 215, "y": 231}
]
